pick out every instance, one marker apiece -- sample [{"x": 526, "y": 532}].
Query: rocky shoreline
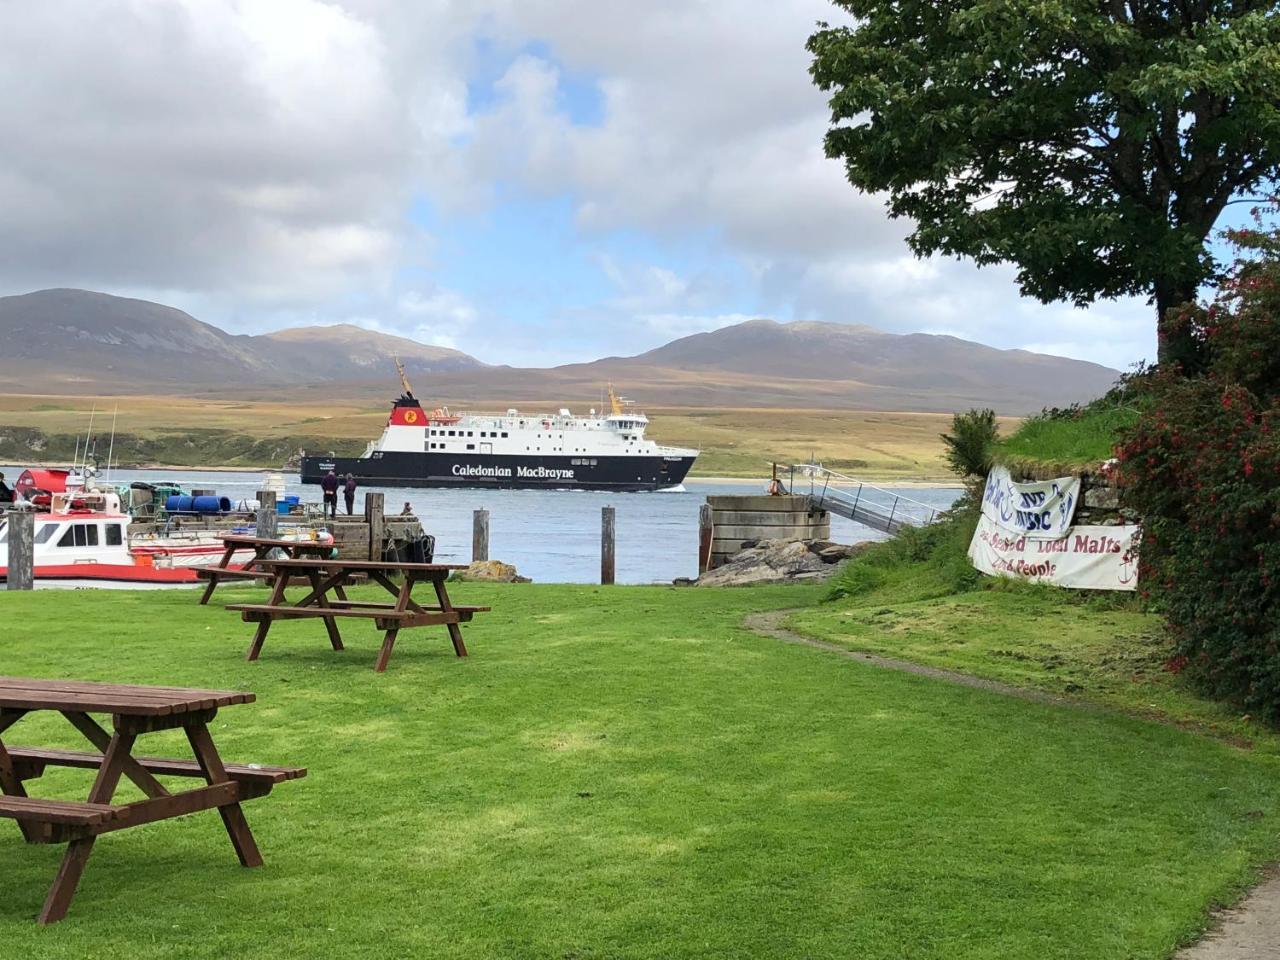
[{"x": 778, "y": 561}]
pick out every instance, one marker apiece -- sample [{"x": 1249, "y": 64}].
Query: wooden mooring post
[
  {"x": 479, "y": 536},
  {"x": 268, "y": 519},
  {"x": 22, "y": 550},
  {"x": 706, "y": 529},
  {"x": 606, "y": 545},
  {"x": 375, "y": 516}
]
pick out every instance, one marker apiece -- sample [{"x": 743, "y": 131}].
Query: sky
[{"x": 532, "y": 182}]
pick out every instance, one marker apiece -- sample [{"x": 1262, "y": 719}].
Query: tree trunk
[{"x": 1175, "y": 343}]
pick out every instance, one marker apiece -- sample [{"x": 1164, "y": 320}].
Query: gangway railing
[{"x": 859, "y": 501}]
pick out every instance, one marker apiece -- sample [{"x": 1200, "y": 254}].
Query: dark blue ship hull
[{"x": 391, "y": 469}]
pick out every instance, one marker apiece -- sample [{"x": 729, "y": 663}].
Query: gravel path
[{"x": 1250, "y": 930}]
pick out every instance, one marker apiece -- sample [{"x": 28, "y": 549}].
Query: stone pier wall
[{"x": 739, "y": 520}]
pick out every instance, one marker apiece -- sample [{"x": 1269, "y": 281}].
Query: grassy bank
[
  {"x": 1073, "y": 439},
  {"x": 627, "y": 772},
  {"x": 187, "y": 431},
  {"x": 919, "y": 599}
]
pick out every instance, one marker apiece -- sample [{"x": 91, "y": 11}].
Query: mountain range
[{"x": 59, "y": 341}]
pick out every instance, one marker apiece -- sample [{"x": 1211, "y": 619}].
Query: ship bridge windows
[{"x": 80, "y": 535}]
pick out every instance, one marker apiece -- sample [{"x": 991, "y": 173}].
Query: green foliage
[
  {"x": 1202, "y": 467},
  {"x": 971, "y": 442},
  {"x": 1093, "y": 147},
  {"x": 627, "y": 773}
]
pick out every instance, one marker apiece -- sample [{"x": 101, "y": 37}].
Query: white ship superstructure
[{"x": 439, "y": 448}]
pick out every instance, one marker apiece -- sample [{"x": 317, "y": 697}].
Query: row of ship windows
[
  {"x": 472, "y": 446},
  {"x": 76, "y": 535},
  {"x": 491, "y": 434}
]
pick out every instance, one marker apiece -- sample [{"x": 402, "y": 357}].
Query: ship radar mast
[
  {"x": 615, "y": 404},
  {"x": 404, "y": 381}
]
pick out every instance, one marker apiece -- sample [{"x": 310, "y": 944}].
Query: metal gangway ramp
[{"x": 859, "y": 501}]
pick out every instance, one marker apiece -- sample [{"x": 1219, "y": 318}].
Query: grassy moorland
[
  {"x": 627, "y": 772},
  {"x": 218, "y": 432}
]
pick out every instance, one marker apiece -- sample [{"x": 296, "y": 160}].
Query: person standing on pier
[
  {"x": 329, "y": 484},
  {"x": 349, "y": 494},
  {"x": 6, "y": 495}
]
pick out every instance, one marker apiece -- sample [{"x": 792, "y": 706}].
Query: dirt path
[
  {"x": 769, "y": 624},
  {"x": 1250, "y": 930}
]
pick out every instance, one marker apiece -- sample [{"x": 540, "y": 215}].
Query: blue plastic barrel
[
  {"x": 293, "y": 500},
  {"x": 178, "y": 503},
  {"x": 209, "y": 504}
]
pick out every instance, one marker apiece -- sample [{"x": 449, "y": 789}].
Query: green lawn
[
  {"x": 626, "y": 772},
  {"x": 1088, "y": 648}
]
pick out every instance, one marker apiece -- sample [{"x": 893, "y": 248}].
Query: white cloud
[
  {"x": 256, "y": 161},
  {"x": 670, "y": 326}
]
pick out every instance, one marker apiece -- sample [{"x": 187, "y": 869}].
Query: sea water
[{"x": 552, "y": 536}]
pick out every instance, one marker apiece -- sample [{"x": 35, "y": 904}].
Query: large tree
[{"x": 1094, "y": 143}]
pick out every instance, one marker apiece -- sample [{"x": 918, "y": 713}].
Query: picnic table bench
[
  {"x": 326, "y": 577},
  {"x": 234, "y": 543},
  {"x": 134, "y": 710}
]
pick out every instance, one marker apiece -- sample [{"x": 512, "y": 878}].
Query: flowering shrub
[{"x": 1202, "y": 468}]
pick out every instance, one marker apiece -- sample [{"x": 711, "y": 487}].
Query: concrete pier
[{"x": 736, "y": 519}]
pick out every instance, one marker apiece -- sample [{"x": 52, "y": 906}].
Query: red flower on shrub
[{"x": 1202, "y": 468}]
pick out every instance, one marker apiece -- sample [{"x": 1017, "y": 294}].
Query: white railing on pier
[{"x": 858, "y": 500}]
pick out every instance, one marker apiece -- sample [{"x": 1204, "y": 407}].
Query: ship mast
[
  {"x": 614, "y": 403},
  {"x": 404, "y": 381}
]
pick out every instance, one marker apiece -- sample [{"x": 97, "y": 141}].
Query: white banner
[
  {"x": 1086, "y": 558},
  {"x": 1042, "y": 510}
]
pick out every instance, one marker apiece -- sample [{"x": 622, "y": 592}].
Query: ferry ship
[{"x": 512, "y": 450}]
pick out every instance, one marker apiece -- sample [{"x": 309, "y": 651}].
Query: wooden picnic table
[
  {"x": 261, "y": 546},
  {"x": 326, "y": 577},
  {"x": 134, "y": 710}
]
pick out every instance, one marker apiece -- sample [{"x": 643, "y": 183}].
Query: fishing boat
[
  {"x": 437, "y": 448},
  {"x": 84, "y": 537}
]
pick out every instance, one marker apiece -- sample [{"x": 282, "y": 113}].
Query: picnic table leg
[
  {"x": 330, "y": 623},
  {"x": 455, "y": 631},
  {"x": 77, "y": 855},
  {"x": 384, "y": 655},
  {"x": 232, "y": 814},
  {"x": 11, "y": 785},
  {"x": 213, "y": 577},
  {"x": 132, "y": 769},
  {"x": 277, "y": 594}
]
